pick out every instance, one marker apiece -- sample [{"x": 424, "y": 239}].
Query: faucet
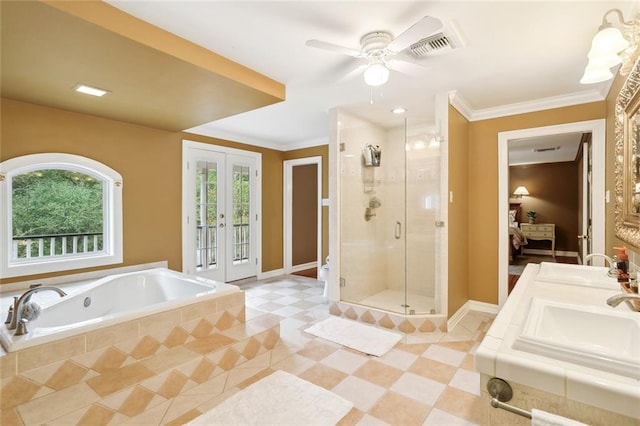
[
  {"x": 616, "y": 299},
  {"x": 16, "y": 321},
  {"x": 613, "y": 268}
]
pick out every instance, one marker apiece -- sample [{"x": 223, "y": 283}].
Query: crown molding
[
  {"x": 455, "y": 99},
  {"x": 458, "y": 102},
  {"x": 306, "y": 144},
  {"x": 247, "y": 140},
  {"x": 233, "y": 137}
]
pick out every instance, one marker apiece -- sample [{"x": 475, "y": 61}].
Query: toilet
[{"x": 324, "y": 276}]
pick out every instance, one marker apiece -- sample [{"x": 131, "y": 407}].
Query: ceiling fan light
[{"x": 376, "y": 75}]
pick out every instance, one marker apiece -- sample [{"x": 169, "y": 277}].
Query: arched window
[{"x": 59, "y": 212}]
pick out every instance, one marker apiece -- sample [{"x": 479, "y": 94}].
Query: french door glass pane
[
  {"x": 207, "y": 213},
  {"x": 241, "y": 198}
]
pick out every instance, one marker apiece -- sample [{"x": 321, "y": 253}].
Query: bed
[{"x": 516, "y": 238}]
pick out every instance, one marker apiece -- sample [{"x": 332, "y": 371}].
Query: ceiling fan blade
[
  {"x": 319, "y": 44},
  {"x": 423, "y": 28},
  {"x": 353, "y": 73},
  {"x": 408, "y": 67}
]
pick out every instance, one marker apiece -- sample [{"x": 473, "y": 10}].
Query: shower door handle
[{"x": 398, "y": 231}]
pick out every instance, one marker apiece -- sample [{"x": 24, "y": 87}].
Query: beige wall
[
  {"x": 150, "y": 163},
  {"x": 483, "y": 184},
  {"x": 459, "y": 213}
]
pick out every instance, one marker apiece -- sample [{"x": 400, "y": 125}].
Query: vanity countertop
[{"x": 496, "y": 356}]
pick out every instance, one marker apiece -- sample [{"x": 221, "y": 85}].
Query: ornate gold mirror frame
[{"x": 627, "y": 159}]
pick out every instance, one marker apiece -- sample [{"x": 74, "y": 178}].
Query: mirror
[{"x": 627, "y": 159}]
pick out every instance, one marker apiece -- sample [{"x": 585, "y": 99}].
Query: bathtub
[{"x": 111, "y": 300}]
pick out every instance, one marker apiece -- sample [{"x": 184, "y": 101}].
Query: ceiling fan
[{"x": 382, "y": 51}]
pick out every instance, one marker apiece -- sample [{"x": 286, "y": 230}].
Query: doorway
[
  {"x": 302, "y": 214},
  {"x": 221, "y": 220},
  {"x": 596, "y": 198}
]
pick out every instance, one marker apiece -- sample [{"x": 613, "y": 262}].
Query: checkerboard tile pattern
[{"x": 426, "y": 379}]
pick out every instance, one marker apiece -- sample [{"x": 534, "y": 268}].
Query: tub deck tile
[
  {"x": 177, "y": 337},
  {"x": 67, "y": 375},
  {"x": 49, "y": 407},
  {"x": 16, "y": 391},
  {"x": 137, "y": 401},
  {"x": 10, "y": 417},
  {"x": 110, "y": 359},
  {"x": 96, "y": 415},
  {"x": 8, "y": 364},
  {"x": 38, "y": 356},
  {"x": 112, "y": 381},
  {"x": 209, "y": 343},
  {"x": 147, "y": 347},
  {"x": 173, "y": 384},
  {"x": 109, "y": 336},
  {"x": 170, "y": 358}
]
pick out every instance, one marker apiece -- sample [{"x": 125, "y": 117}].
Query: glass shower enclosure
[{"x": 389, "y": 208}]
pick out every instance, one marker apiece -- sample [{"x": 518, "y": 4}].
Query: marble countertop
[{"x": 496, "y": 357}]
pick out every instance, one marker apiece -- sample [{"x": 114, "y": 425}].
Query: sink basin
[
  {"x": 583, "y": 275},
  {"x": 587, "y": 335}
]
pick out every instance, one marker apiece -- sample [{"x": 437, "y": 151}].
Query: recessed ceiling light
[
  {"x": 88, "y": 90},
  {"x": 399, "y": 110}
]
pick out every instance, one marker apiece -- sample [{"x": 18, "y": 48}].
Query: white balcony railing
[{"x": 40, "y": 246}]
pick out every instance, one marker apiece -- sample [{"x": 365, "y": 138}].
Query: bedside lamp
[{"x": 520, "y": 191}]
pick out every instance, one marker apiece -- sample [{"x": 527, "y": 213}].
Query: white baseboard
[
  {"x": 471, "y": 305},
  {"x": 304, "y": 266},
  {"x": 549, "y": 253},
  {"x": 270, "y": 274}
]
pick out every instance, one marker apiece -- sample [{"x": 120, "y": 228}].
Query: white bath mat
[
  {"x": 355, "y": 335},
  {"x": 278, "y": 399}
]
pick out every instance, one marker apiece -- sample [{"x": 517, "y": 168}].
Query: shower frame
[{"x": 406, "y": 322}]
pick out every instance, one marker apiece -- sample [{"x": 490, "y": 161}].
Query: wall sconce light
[
  {"x": 520, "y": 191},
  {"x": 610, "y": 47}
]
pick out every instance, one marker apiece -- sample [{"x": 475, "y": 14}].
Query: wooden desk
[{"x": 542, "y": 232}]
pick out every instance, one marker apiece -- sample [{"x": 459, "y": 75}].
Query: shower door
[{"x": 388, "y": 214}]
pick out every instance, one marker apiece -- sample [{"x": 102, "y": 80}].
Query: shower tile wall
[
  {"x": 372, "y": 259},
  {"x": 423, "y": 188},
  {"x": 362, "y": 254}
]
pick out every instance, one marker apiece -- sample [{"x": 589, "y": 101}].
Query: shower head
[{"x": 374, "y": 203}]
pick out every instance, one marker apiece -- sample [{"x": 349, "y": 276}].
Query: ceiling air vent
[
  {"x": 441, "y": 42},
  {"x": 545, "y": 149}
]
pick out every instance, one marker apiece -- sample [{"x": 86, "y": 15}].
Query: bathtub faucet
[{"x": 17, "y": 322}]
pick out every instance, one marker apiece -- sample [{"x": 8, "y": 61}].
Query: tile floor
[{"x": 423, "y": 380}]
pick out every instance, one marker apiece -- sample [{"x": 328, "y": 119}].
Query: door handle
[
  {"x": 221, "y": 225},
  {"x": 398, "y": 230}
]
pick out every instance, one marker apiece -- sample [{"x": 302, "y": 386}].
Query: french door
[{"x": 221, "y": 218}]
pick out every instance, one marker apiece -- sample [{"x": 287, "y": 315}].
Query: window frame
[{"x": 112, "y": 251}]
